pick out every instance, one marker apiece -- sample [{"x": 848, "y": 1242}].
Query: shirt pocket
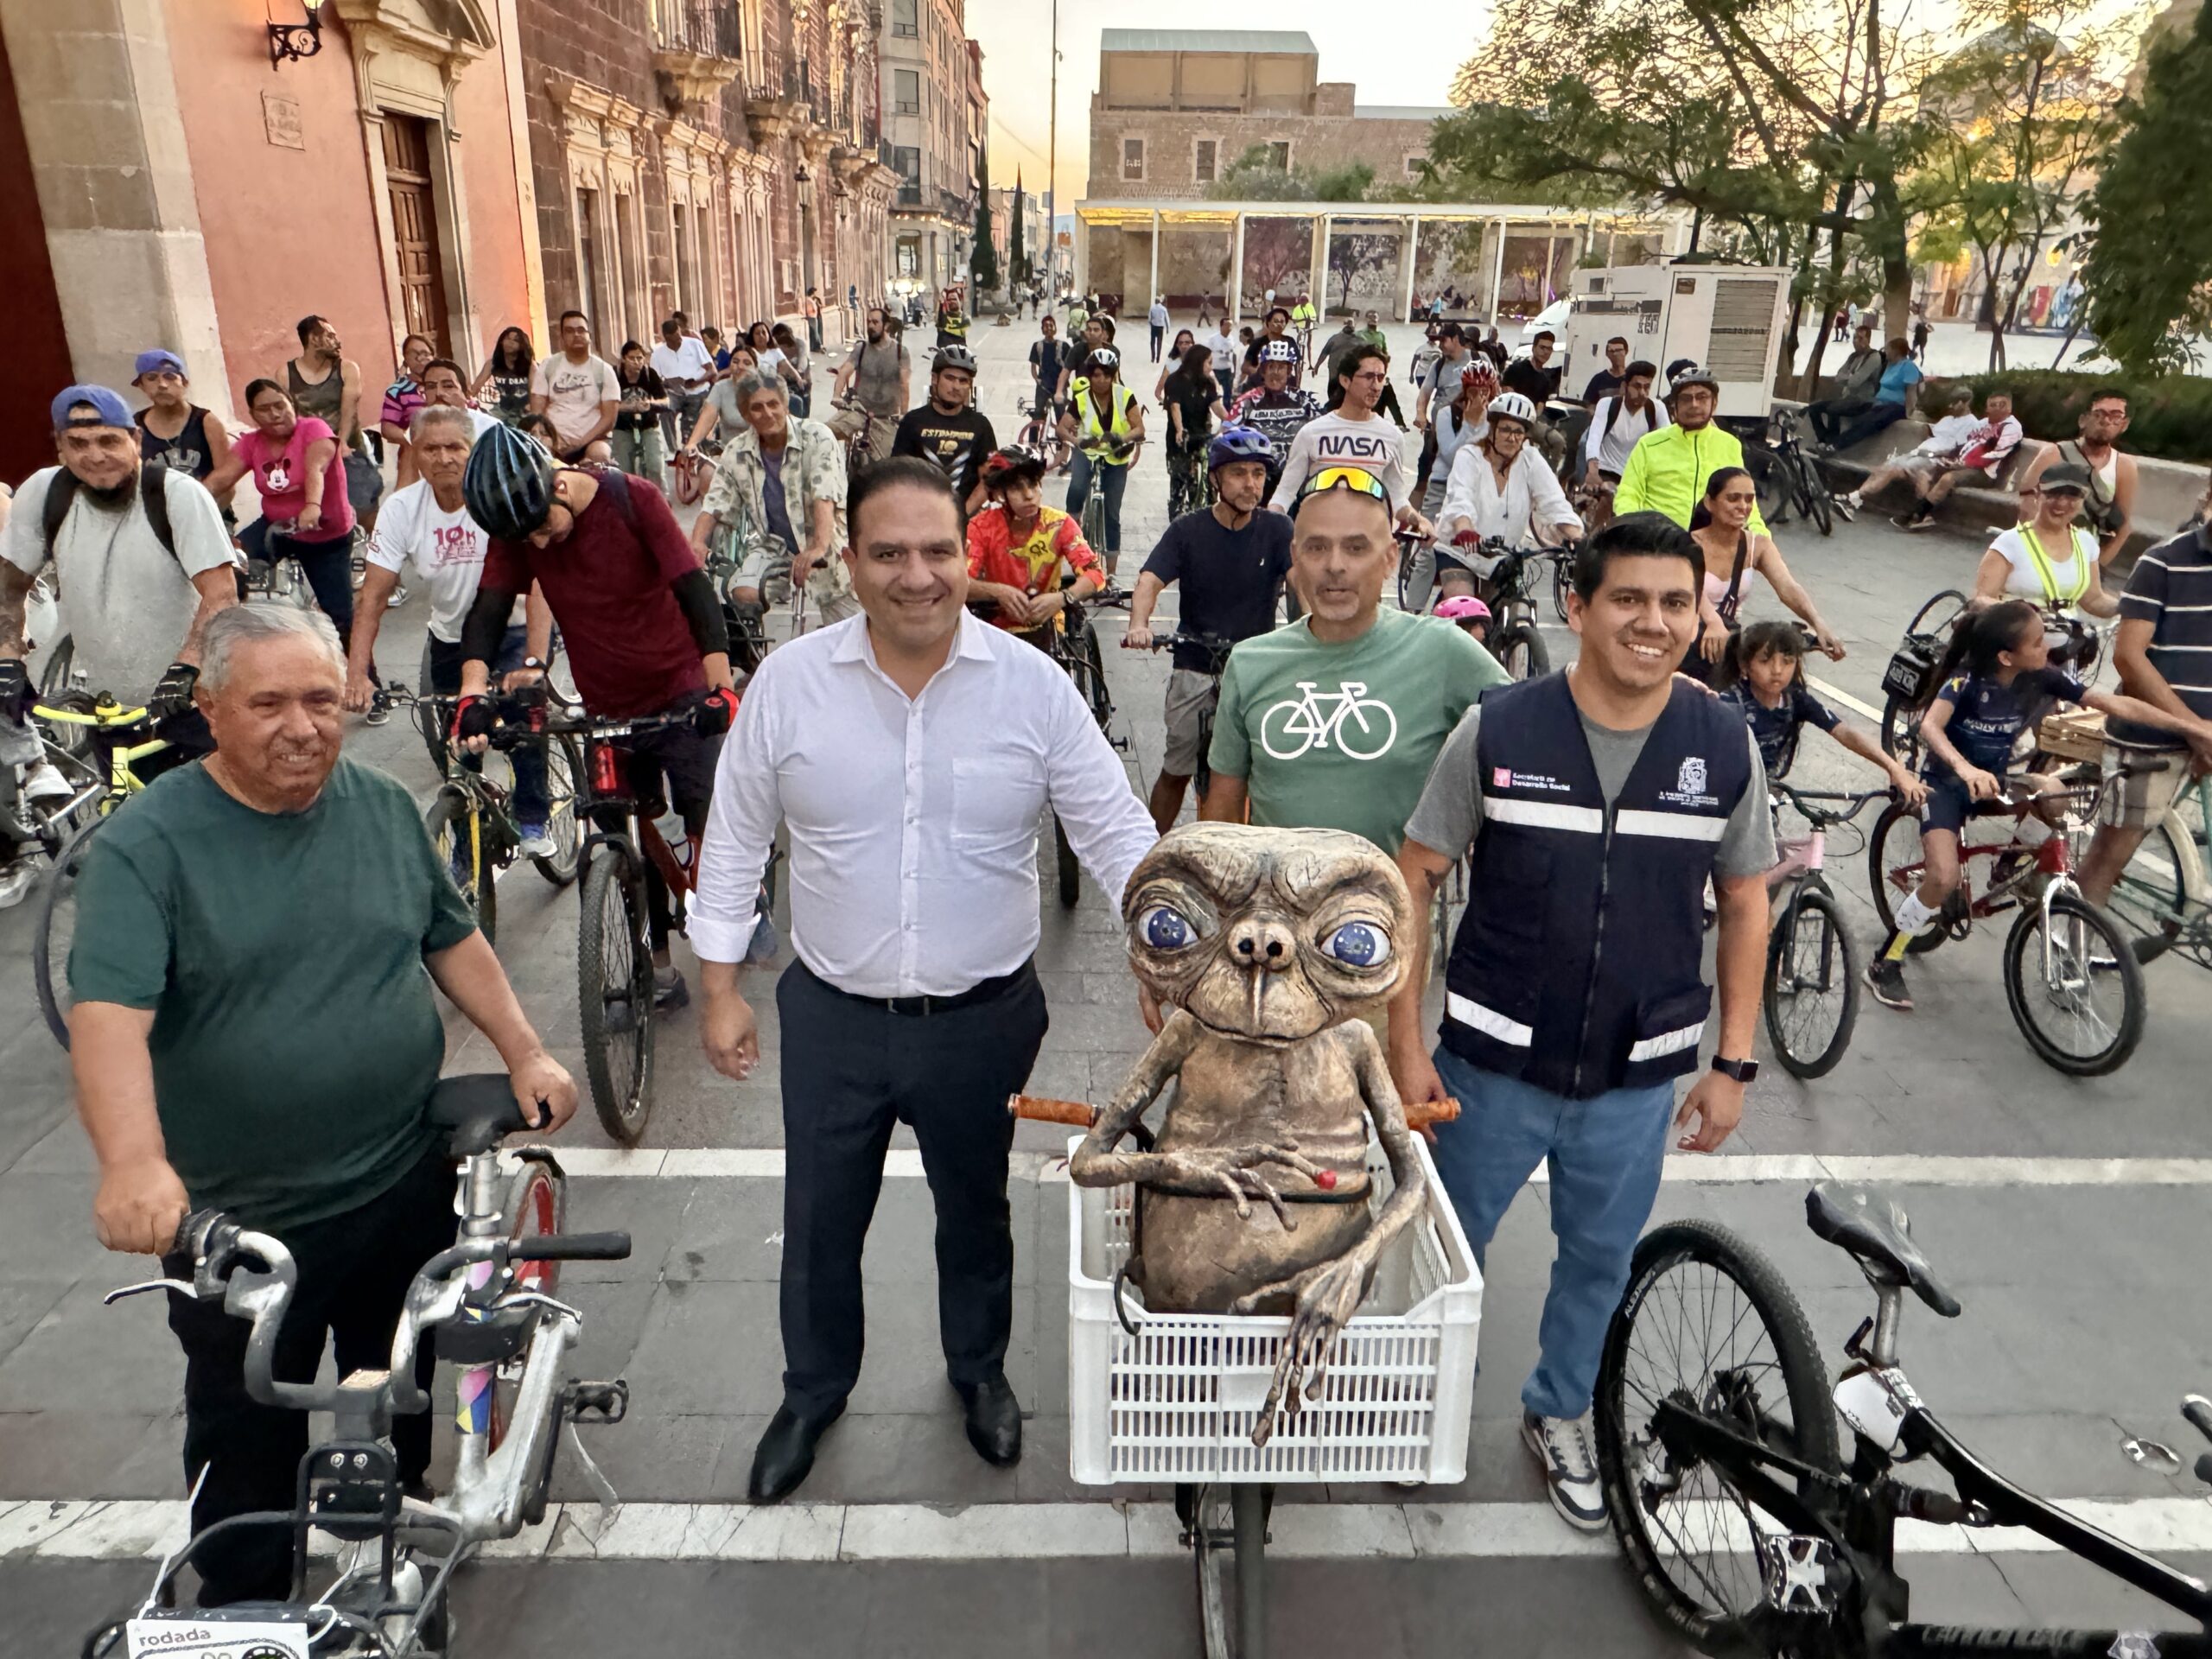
[{"x": 995, "y": 804}]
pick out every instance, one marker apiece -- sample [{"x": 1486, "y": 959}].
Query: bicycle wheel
[
  {"x": 536, "y": 1207},
  {"x": 1901, "y": 731},
  {"x": 1226, "y": 1530},
  {"x": 1563, "y": 585},
  {"x": 54, "y": 678},
  {"x": 57, "y": 928},
  {"x": 1710, "y": 1325},
  {"x": 2075, "y": 987},
  {"x": 2148, "y": 899},
  {"x": 1092, "y": 682},
  {"x": 1520, "y": 651},
  {"x": 1814, "y": 502},
  {"x": 460, "y": 829},
  {"x": 1894, "y": 868},
  {"x": 1812, "y": 986},
  {"x": 614, "y": 1009},
  {"x": 1093, "y": 517},
  {"x": 748, "y": 644},
  {"x": 1070, "y": 869},
  {"x": 1771, "y": 482},
  {"x": 564, "y": 764}
]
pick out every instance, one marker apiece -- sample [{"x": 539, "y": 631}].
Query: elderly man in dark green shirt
[{"x": 254, "y": 1031}]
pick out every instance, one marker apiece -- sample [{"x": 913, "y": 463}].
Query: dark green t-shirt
[{"x": 296, "y": 1038}]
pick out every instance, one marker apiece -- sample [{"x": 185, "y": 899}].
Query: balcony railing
[
  {"x": 910, "y": 195},
  {"x": 706, "y": 28}
]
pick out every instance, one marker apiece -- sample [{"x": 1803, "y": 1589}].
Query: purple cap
[
  {"x": 109, "y": 407},
  {"x": 156, "y": 358}
]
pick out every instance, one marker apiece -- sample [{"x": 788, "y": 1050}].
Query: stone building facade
[
  {"x": 1176, "y": 108},
  {"x": 168, "y": 176},
  {"x": 718, "y": 157},
  {"x": 933, "y": 109}
]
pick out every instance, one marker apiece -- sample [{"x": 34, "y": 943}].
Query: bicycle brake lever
[{"x": 115, "y": 1296}]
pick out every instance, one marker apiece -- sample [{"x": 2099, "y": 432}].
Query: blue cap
[
  {"x": 156, "y": 358},
  {"x": 109, "y": 407}
]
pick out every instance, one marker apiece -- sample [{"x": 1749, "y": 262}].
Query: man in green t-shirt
[
  {"x": 1333, "y": 722},
  {"x": 254, "y": 1032}
]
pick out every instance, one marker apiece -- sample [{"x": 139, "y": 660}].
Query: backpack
[{"x": 153, "y": 495}]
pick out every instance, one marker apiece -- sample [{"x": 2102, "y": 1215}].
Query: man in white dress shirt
[{"x": 910, "y": 752}]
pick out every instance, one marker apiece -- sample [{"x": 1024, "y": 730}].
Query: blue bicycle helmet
[
  {"x": 509, "y": 483},
  {"x": 1239, "y": 443}
]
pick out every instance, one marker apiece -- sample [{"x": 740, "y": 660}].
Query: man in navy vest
[{"x": 1596, "y": 802}]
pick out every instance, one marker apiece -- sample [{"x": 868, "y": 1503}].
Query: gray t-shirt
[
  {"x": 882, "y": 366},
  {"x": 1449, "y": 810},
  {"x": 124, "y": 601}
]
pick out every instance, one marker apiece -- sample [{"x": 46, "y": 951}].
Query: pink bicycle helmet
[{"x": 1463, "y": 607}]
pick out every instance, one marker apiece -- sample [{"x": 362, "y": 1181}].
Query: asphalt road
[{"x": 2070, "y": 1218}]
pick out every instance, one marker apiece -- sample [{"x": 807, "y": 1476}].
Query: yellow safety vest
[
  {"x": 1089, "y": 437},
  {"x": 2085, "y": 551}
]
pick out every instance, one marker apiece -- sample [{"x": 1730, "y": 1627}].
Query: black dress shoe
[
  {"x": 786, "y": 1454},
  {"x": 993, "y": 1420}
]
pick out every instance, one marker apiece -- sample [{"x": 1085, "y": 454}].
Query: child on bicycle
[
  {"x": 1019, "y": 548},
  {"x": 1468, "y": 614},
  {"x": 1763, "y": 674},
  {"x": 1996, "y": 680}
]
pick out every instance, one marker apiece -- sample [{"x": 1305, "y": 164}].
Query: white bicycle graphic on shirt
[{"x": 1361, "y": 728}]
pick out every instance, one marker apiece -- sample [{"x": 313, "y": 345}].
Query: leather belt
[{"x": 982, "y": 991}]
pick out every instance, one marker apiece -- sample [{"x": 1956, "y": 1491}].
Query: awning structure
[{"x": 1489, "y": 257}]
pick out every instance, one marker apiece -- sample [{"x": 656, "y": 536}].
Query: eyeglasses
[
  {"x": 1346, "y": 478},
  {"x": 1375, "y": 378}
]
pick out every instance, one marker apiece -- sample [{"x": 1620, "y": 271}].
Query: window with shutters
[{"x": 1133, "y": 161}]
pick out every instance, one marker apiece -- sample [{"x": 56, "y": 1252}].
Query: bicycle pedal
[
  {"x": 599, "y": 1402},
  {"x": 1799, "y": 1574}
]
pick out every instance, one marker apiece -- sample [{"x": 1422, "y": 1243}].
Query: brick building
[
  {"x": 933, "y": 112},
  {"x": 1176, "y": 108},
  {"x": 715, "y": 156}
]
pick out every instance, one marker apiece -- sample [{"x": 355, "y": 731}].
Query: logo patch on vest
[{"x": 1690, "y": 785}]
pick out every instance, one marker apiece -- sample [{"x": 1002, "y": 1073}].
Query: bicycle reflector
[
  {"x": 606, "y": 772},
  {"x": 1346, "y": 478}
]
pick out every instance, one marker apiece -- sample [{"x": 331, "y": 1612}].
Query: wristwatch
[
  {"x": 532, "y": 662},
  {"x": 1741, "y": 1070}
]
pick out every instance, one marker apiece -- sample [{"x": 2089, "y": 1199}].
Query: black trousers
[
  {"x": 851, "y": 1070},
  {"x": 355, "y": 1271}
]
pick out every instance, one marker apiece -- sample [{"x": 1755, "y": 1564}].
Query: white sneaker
[
  {"x": 44, "y": 782},
  {"x": 1562, "y": 1448},
  {"x": 398, "y": 598},
  {"x": 16, "y": 879}
]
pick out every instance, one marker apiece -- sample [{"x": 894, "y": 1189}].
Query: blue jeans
[
  {"x": 1111, "y": 481},
  {"x": 442, "y": 673},
  {"x": 1605, "y": 1156}
]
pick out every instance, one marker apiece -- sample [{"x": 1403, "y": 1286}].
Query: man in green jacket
[{"x": 1666, "y": 470}]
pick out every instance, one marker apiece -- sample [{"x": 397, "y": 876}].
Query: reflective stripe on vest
[
  {"x": 1468, "y": 1012},
  {"x": 1668, "y": 1042},
  {"x": 2047, "y": 572}
]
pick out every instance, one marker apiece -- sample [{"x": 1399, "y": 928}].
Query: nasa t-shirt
[{"x": 1333, "y": 441}]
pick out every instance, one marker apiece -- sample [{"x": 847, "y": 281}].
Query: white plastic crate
[{"x": 1178, "y": 1402}]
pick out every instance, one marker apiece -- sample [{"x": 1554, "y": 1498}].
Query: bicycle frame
[
  {"x": 123, "y": 781},
  {"x": 2195, "y": 915}
]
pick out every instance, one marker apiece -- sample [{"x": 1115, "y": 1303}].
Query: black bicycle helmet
[
  {"x": 954, "y": 357},
  {"x": 508, "y": 486},
  {"x": 1016, "y": 460}
]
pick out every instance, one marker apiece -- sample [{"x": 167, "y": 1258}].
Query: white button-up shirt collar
[{"x": 913, "y": 822}]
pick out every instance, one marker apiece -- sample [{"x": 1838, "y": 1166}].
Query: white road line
[
  {"x": 767, "y": 1163},
  {"x": 1844, "y": 697},
  {"x": 54, "y": 1531}
]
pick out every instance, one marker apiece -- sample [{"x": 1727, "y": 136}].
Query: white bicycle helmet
[
  {"x": 1512, "y": 406},
  {"x": 1279, "y": 351}
]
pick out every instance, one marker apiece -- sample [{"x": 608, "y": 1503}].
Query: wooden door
[{"x": 415, "y": 227}]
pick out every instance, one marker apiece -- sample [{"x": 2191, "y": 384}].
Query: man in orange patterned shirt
[{"x": 1019, "y": 548}]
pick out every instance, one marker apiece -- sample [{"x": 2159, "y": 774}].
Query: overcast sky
[{"x": 1394, "y": 51}]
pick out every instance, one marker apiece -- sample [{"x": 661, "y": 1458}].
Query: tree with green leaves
[
  {"x": 1257, "y": 176},
  {"x": 2148, "y": 278},
  {"x": 983, "y": 256}
]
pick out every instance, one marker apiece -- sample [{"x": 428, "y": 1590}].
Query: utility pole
[{"x": 1052, "y": 171}]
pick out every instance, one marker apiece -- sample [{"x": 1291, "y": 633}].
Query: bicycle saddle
[
  {"x": 477, "y": 1111},
  {"x": 1874, "y": 1230}
]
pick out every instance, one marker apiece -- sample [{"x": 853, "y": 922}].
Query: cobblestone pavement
[{"x": 2071, "y": 1217}]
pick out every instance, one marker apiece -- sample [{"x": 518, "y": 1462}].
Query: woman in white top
[
  {"x": 2047, "y": 558},
  {"x": 1500, "y": 489},
  {"x": 1735, "y": 558}
]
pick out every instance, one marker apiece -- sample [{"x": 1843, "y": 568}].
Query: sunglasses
[{"x": 1346, "y": 478}]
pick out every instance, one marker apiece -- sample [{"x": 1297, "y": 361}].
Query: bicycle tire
[
  {"x": 1249, "y": 1508},
  {"x": 1838, "y": 969},
  {"x": 748, "y": 644},
  {"x": 460, "y": 828},
  {"x": 1624, "y": 1461},
  {"x": 1519, "y": 649},
  {"x": 2099, "y": 936},
  {"x": 1097, "y": 693},
  {"x": 1563, "y": 585},
  {"x": 1813, "y": 499},
  {"x": 690, "y": 483},
  {"x": 1093, "y": 523},
  {"x": 614, "y": 1005},
  {"x": 562, "y": 758},
  {"x": 54, "y": 678},
  {"x": 2148, "y": 899},
  {"x": 536, "y": 1207},
  {"x": 1889, "y": 874},
  {"x": 1901, "y": 732},
  {"x": 57, "y": 928},
  {"x": 1771, "y": 482},
  {"x": 1068, "y": 867}
]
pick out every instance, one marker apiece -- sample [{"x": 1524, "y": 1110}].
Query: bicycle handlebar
[
  {"x": 1039, "y": 1109},
  {"x": 1856, "y": 802},
  {"x": 572, "y": 1247}
]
